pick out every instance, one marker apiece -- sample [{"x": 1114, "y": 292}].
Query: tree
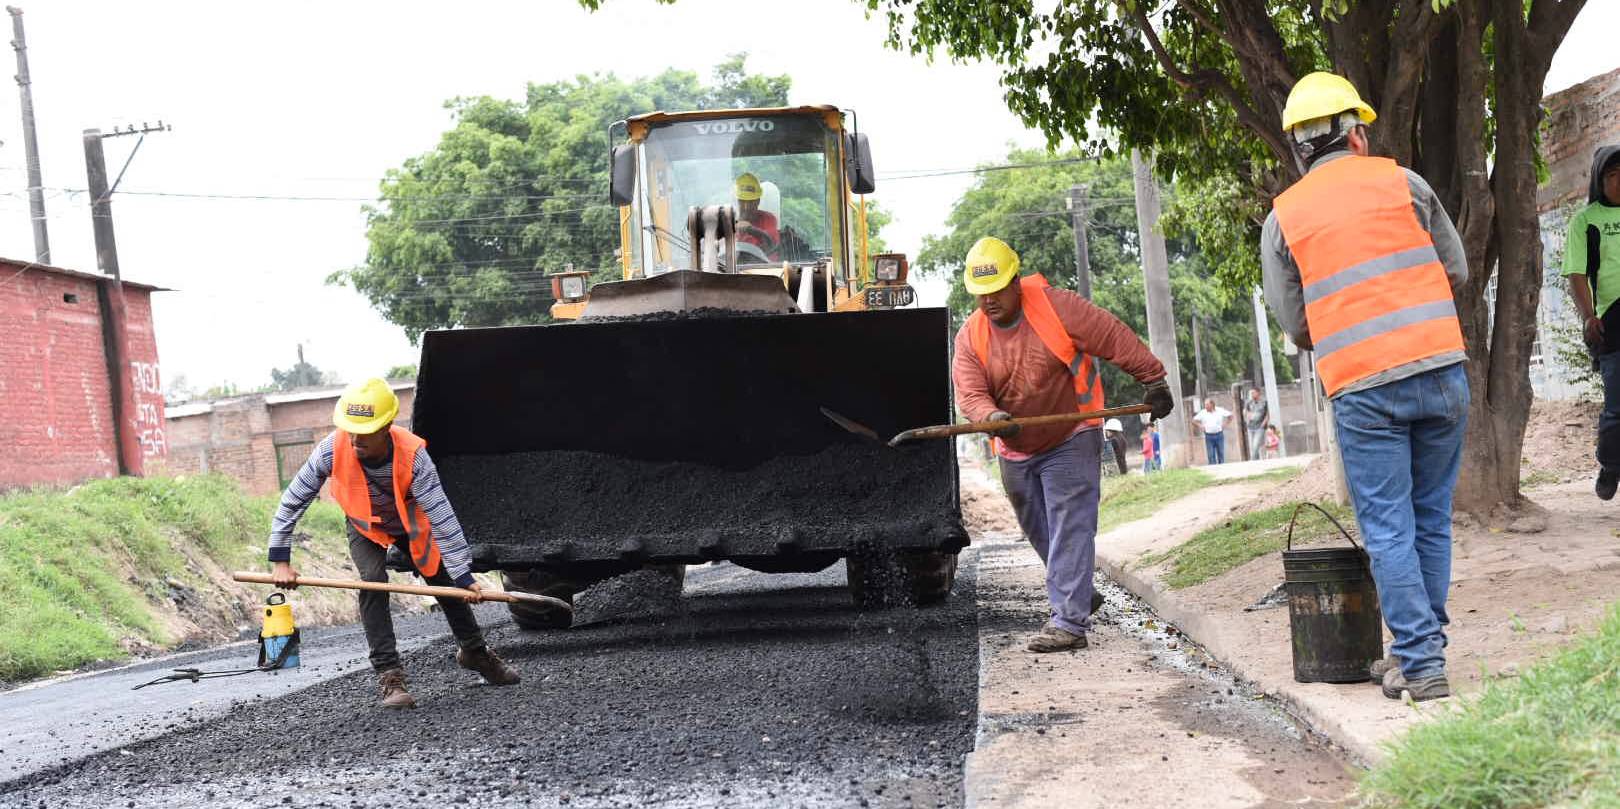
[
  {"x": 401, "y": 372},
  {"x": 464, "y": 235},
  {"x": 301, "y": 375},
  {"x": 1025, "y": 209},
  {"x": 1456, "y": 83}
]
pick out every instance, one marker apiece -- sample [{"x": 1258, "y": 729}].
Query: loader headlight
[
  {"x": 888, "y": 269},
  {"x": 569, "y": 286}
]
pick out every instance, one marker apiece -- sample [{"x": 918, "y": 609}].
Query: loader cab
[{"x": 810, "y": 214}]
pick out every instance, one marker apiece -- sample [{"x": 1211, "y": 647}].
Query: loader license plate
[{"x": 889, "y": 297}]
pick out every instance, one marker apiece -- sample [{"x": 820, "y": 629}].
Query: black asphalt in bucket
[{"x": 1333, "y": 616}]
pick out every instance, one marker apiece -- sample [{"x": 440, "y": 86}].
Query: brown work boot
[
  {"x": 394, "y": 694},
  {"x": 494, "y": 670},
  {"x": 1054, "y": 639}
]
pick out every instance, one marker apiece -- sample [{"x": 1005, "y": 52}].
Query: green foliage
[
  {"x": 1569, "y": 348},
  {"x": 1224, "y": 547},
  {"x": 300, "y": 375},
  {"x": 82, "y": 569},
  {"x": 1026, "y": 209},
  {"x": 464, "y": 234},
  {"x": 401, "y": 372},
  {"x": 1133, "y": 497},
  {"x": 1550, "y": 737}
]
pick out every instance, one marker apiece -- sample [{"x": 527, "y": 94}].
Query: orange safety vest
[
  {"x": 1376, "y": 295},
  {"x": 354, "y": 497},
  {"x": 1044, "y": 319}
]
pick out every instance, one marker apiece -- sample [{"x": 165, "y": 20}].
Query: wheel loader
[{"x": 674, "y": 416}]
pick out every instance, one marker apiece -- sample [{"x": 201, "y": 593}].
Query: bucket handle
[{"x": 1295, "y": 518}]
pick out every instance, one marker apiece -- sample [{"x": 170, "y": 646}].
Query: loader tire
[
  {"x": 883, "y": 579},
  {"x": 538, "y": 617}
]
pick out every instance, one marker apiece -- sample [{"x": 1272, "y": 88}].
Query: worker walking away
[
  {"x": 1592, "y": 263},
  {"x": 389, "y": 490},
  {"x": 1031, "y": 350},
  {"x": 1360, "y": 264}
]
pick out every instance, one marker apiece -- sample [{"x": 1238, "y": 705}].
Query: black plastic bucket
[{"x": 1333, "y": 616}]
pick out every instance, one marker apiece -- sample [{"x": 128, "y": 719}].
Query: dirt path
[{"x": 1141, "y": 718}]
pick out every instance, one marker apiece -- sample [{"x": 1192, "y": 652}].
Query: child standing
[
  {"x": 1273, "y": 441},
  {"x": 1150, "y": 448}
]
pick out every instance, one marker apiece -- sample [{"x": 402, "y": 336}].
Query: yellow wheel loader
[{"x": 677, "y": 420}]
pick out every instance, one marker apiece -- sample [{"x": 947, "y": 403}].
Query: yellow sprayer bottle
[{"x": 278, "y": 640}]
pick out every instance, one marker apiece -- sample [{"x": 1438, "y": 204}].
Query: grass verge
[
  {"x": 1131, "y": 497},
  {"x": 1550, "y": 737},
  {"x": 85, "y": 570},
  {"x": 1218, "y": 549}
]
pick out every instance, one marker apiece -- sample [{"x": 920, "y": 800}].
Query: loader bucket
[{"x": 683, "y": 438}]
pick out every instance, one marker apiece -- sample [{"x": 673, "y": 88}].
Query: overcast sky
[{"x": 319, "y": 99}]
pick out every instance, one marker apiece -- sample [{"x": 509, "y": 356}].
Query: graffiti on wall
[{"x": 148, "y": 408}]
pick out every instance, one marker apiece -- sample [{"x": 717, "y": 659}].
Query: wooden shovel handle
[
  {"x": 408, "y": 589},
  {"x": 948, "y": 430}
]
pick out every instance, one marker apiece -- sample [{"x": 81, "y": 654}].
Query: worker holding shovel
[
  {"x": 1030, "y": 350},
  {"x": 389, "y": 490}
]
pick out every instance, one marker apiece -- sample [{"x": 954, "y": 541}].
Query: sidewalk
[{"x": 1515, "y": 597}]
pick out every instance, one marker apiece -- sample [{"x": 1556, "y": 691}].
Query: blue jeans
[
  {"x": 1608, "y": 440},
  {"x": 1402, "y": 444},
  {"x": 1215, "y": 447},
  {"x": 1054, "y": 495}
]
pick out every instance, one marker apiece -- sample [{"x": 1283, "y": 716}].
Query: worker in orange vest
[
  {"x": 1361, "y": 263},
  {"x": 1030, "y": 350},
  {"x": 389, "y": 491}
]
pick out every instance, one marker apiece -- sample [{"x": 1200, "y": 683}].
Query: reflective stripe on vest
[
  {"x": 1048, "y": 327},
  {"x": 354, "y": 497},
  {"x": 1376, "y": 295}
]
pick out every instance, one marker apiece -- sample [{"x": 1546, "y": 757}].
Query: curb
[{"x": 1203, "y": 629}]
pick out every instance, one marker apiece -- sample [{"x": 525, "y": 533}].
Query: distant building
[
  {"x": 57, "y": 404},
  {"x": 259, "y": 439}
]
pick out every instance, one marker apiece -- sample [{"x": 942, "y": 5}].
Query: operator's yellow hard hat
[
  {"x": 1320, "y": 95},
  {"x": 366, "y": 407},
  {"x": 748, "y": 188},
  {"x": 991, "y": 266}
]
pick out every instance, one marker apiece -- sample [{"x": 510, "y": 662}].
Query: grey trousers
[
  {"x": 1055, "y": 497},
  {"x": 1257, "y": 443},
  {"x": 369, "y": 558}
]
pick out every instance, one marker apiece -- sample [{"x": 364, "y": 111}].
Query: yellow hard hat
[
  {"x": 991, "y": 266},
  {"x": 366, "y": 408},
  {"x": 1320, "y": 95},
  {"x": 748, "y": 188}
]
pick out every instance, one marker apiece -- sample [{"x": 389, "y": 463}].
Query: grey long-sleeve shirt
[{"x": 1286, "y": 296}]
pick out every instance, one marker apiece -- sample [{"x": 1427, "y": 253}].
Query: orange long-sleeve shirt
[{"x": 1024, "y": 379}]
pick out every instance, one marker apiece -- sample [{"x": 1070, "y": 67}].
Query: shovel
[
  {"x": 409, "y": 589},
  {"x": 948, "y": 430}
]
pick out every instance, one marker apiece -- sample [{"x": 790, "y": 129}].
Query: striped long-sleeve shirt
[{"x": 425, "y": 490}]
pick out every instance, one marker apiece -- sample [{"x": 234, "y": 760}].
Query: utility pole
[
  {"x": 110, "y": 292},
  {"x": 36, "y": 191},
  {"x": 1268, "y": 372},
  {"x": 1160, "y": 313},
  {"x": 1082, "y": 250},
  {"x": 1198, "y": 360}
]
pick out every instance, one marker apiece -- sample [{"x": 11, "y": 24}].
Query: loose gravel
[{"x": 760, "y": 690}]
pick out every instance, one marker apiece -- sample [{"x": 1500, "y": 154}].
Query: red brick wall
[{"x": 55, "y": 401}]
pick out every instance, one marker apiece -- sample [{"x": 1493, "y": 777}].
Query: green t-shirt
[{"x": 1605, "y": 221}]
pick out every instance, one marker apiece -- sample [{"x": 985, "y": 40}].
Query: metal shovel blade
[{"x": 851, "y": 425}]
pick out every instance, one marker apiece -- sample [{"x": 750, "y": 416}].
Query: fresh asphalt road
[{"x": 758, "y": 690}]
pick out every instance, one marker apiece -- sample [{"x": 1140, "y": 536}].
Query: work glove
[
  {"x": 1157, "y": 396},
  {"x": 1002, "y": 415}
]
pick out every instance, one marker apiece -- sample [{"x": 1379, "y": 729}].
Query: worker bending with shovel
[
  {"x": 389, "y": 490},
  {"x": 1029, "y": 350}
]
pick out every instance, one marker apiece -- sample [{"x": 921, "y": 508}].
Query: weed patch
[
  {"x": 1551, "y": 737},
  {"x": 1218, "y": 549}
]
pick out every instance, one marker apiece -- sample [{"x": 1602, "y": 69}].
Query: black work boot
[
  {"x": 493, "y": 669},
  {"x": 1607, "y": 480}
]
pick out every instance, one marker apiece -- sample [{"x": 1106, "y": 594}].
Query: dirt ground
[{"x": 1558, "y": 443}]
